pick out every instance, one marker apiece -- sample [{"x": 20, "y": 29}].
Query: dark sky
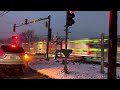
[{"x": 87, "y": 23}]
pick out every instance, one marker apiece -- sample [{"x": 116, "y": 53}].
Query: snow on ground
[{"x": 55, "y": 70}]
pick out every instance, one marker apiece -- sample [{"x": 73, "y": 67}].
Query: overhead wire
[{"x": 3, "y": 13}]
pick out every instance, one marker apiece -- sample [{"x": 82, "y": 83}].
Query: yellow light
[{"x": 34, "y": 21}]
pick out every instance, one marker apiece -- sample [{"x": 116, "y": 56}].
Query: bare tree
[{"x": 29, "y": 36}]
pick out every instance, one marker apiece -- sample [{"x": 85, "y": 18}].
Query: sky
[{"x": 87, "y": 23}]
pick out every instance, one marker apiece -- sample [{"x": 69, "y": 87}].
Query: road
[
  {"x": 13, "y": 73},
  {"x": 30, "y": 74},
  {"x": 16, "y": 72}
]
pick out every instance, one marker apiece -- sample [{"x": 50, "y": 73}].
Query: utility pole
[
  {"x": 112, "y": 48},
  {"x": 47, "y": 48},
  {"x": 102, "y": 53}
]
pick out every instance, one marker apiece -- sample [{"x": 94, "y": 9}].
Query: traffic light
[
  {"x": 14, "y": 27},
  {"x": 34, "y": 21},
  {"x": 70, "y": 16},
  {"x": 26, "y": 21},
  {"x": 15, "y": 37},
  {"x": 49, "y": 34}
]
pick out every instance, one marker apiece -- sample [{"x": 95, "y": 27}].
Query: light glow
[
  {"x": 13, "y": 46},
  {"x": 27, "y": 57}
]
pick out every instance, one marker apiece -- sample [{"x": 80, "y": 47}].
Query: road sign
[{"x": 66, "y": 52}]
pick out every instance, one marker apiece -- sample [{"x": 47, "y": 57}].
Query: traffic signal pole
[
  {"x": 112, "y": 48},
  {"x": 69, "y": 21},
  {"x": 47, "y": 49},
  {"x": 49, "y": 30},
  {"x": 66, "y": 39}
]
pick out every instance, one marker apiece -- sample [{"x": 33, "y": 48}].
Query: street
[
  {"x": 30, "y": 74},
  {"x": 18, "y": 72}
]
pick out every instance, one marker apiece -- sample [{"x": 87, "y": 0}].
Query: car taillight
[{"x": 13, "y": 46}]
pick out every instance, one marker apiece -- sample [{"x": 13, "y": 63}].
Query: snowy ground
[{"x": 55, "y": 70}]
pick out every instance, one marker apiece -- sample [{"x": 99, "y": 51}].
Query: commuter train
[{"x": 84, "y": 47}]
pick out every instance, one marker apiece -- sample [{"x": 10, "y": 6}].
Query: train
[{"x": 82, "y": 47}]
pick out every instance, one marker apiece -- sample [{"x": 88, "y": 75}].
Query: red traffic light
[
  {"x": 70, "y": 18},
  {"x": 71, "y": 12},
  {"x": 14, "y": 37}
]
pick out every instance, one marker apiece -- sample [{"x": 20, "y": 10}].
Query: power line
[{"x": 2, "y": 14}]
